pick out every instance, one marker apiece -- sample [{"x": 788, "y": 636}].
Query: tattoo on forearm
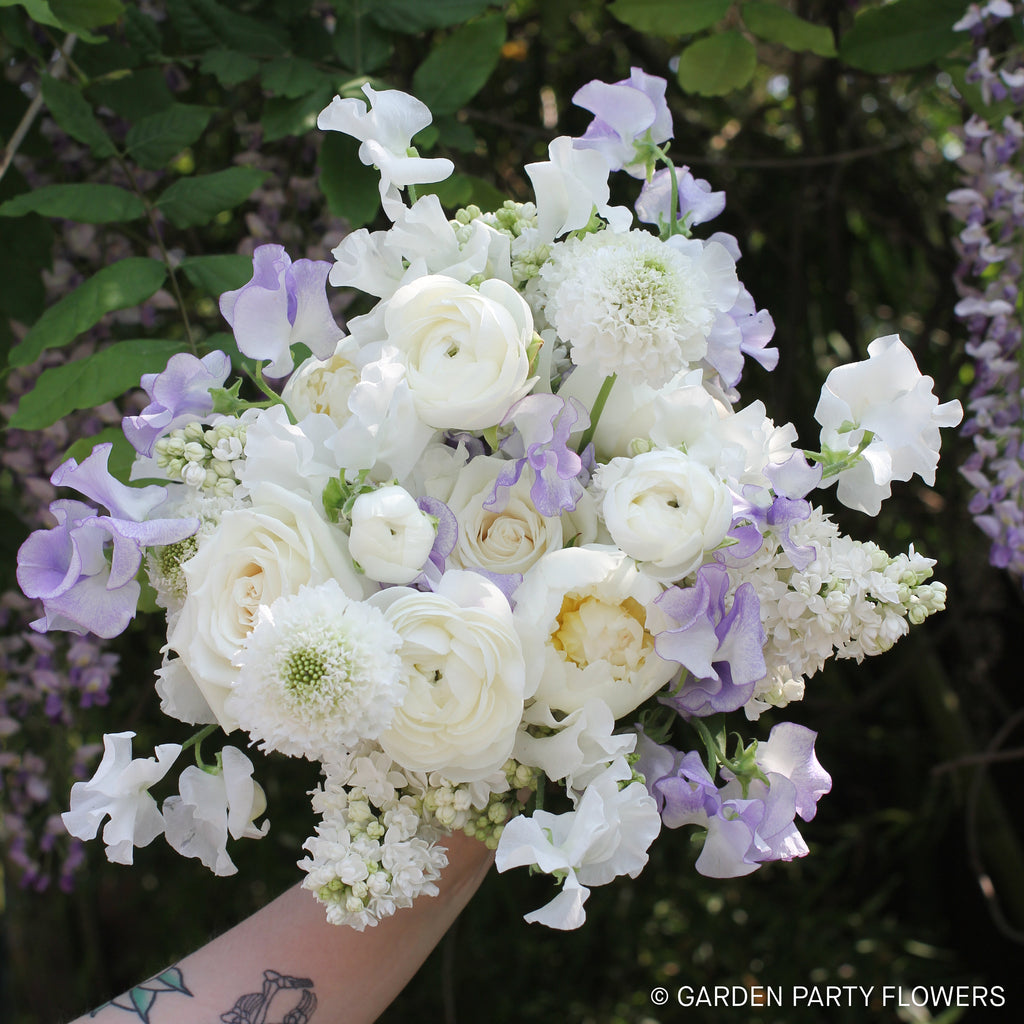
[
  {"x": 255, "y": 1007},
  {"x": 140, "y": 1000}
]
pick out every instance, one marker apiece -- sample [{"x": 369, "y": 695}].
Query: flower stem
[{"x": 595, "y": 415}]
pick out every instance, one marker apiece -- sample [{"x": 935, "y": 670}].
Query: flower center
[{"x": 590, "y": 630}]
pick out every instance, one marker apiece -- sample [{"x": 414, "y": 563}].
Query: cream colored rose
[
  {"x": 510, "y": 540},
  {"x": 465, "y": 350},
  {"x": 664, "y": 509},
  {"x": 581, "y": 615},
  {"x": 254, "y": 556},
  {"x": 463, "y": 664},
  {"x": 324, "y": 385}
]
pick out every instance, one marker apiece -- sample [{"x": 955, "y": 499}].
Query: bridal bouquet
[{"x": 506, "y": 557}]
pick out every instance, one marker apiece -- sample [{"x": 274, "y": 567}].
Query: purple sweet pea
[
  {"x": 627, "y": 115},
  {"x": 66, "y": 567},
  {"x": 696, "y": 203},
  {"x": 722, "y": 651},
  {"x": 284, "y": 304},
  {"x": 744, "y": 331},
  {"x": 178, "y": 395},
  {"x": 543, "y": 423},
  {"x": 681, "y": 785},
  {"x": 789, "y": 752}
]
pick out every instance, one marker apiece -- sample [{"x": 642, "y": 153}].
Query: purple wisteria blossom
[
  {"x": 543, "y": 423},
  {"x": 66, "y": 567},
  {"x": 178, "y": 395},
  {"x": 990, "y": 204},
  {"x": 696, "y": 203},
  {"x": 284, "y": 304},
  {"x": 721, "y": 650},
  {"x": 630, "y": 117}
]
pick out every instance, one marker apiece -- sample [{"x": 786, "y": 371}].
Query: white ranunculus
[
  {"x": 252, "y": 557},
  {"x": 323, "y": 385},
  {"x": 509, "y": 541},
  {"x": 581, "y": 614},
  {"x": 664, "y": 509},
  {"x": 391, "y": 536},
  {"x": 463, "y": 664},
  {"x": 464, "y": 350}
]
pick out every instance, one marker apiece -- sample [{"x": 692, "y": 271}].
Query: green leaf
[
  {"x": 142, "y": 33},
  {"x": 38, "y": 10},
  {"x": 902, "y": 35},
  {"x": 157, "y": 139},
  {"x": 283, "y": 117},
  {"x": 777, "y": 25},
  {"x": 87, "y": 13},
  {"x": 717, "y": 64},
  {"x": 203, "y": 24},
  {"x": 350, "y": 187},
  {"x": 134, "y": 95},
  {"x": 411, "y": 16},
  {"x": 197, "y": 200},
  {"x": 457, "y": 67},
  {"x": 228, "y": 67},
  {"x": 90, "y": 204},
  {"x": 292, "y": 77},
  {"x": 670, "y": 17},
  {"x": 122, "y": 455},
  {"x": 360, "y": 44},
  {"x": 89, "y": 382},
  {"x": 125, "y": 283},
  {"x": 71, "y": 110},
  {"x": 219, "y": 273}
]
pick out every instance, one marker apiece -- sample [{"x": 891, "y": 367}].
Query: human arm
[{"x": 288, "y": 954}]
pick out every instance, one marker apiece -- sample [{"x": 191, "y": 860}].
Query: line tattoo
[
  {"x": 140, "y": 999},
  {"x": 254, "y": 1007}
]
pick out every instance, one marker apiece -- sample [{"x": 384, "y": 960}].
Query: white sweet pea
[
  {"x": 213, "y": 805},
  {"x": 569, "y": 186},
  {"x": 887, "y": 396},
  {"x": 582, "y": 615},
  {"x": 463, "y": 664},
  {"x": 464, "y": 350},
  {"x": 664, "y": 509},
  {"x": 608, "y": 834},
  {"x": 386, "y": 130},
  {"x": 391, "y": 536},
  {"x": 120, "y": 789}
]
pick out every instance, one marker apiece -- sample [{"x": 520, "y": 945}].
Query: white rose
[
  {"x": 463, "y": 664},
  {"x": 252, "y": 557},
  {"x": 664, "y": 509},
  {"x": 324, "y": 385},
  {"x": 465, "y": 351},
  {"x": 391, "y": 536},
  {"x": 510, "y": 541},
  {"x": 581, "y": 615}
]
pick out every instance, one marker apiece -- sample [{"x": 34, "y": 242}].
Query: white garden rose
[
  {"x": 664, "y": 509},
  {"x": 581, "y": 614},
  {"x": 324, "y": 385},
  {"x": 252, "y": 557},
  {"x": 463, "y": 665},
  {"x": 465, "y": 350},
  {"x": 391, "y": 536},
  {"x": 510, "y": 540}
]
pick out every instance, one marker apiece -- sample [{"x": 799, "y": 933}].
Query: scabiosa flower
[
  {"x": 633, "y": 305},
  {"x": 319, "y": 672}
]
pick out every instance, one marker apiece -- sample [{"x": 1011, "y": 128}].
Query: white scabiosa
[
  {"x": 633, "y": 305},
  {"x": 318, "y": 673}
]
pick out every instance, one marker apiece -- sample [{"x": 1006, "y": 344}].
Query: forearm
[{"x": 288, "y": 955}]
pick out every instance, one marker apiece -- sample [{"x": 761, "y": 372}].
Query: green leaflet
[
  {"x": 123, "y": 284},
  {"x": 88, "y": 203},
  {"x": 197, "y": 200}
]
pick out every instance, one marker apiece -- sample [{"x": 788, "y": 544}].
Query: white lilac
[
  {"x": 206, "y": 457},
  {"x": 318, "y": 673}
]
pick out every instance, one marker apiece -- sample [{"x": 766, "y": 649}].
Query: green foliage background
[{"x": 826, "y": 122}]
